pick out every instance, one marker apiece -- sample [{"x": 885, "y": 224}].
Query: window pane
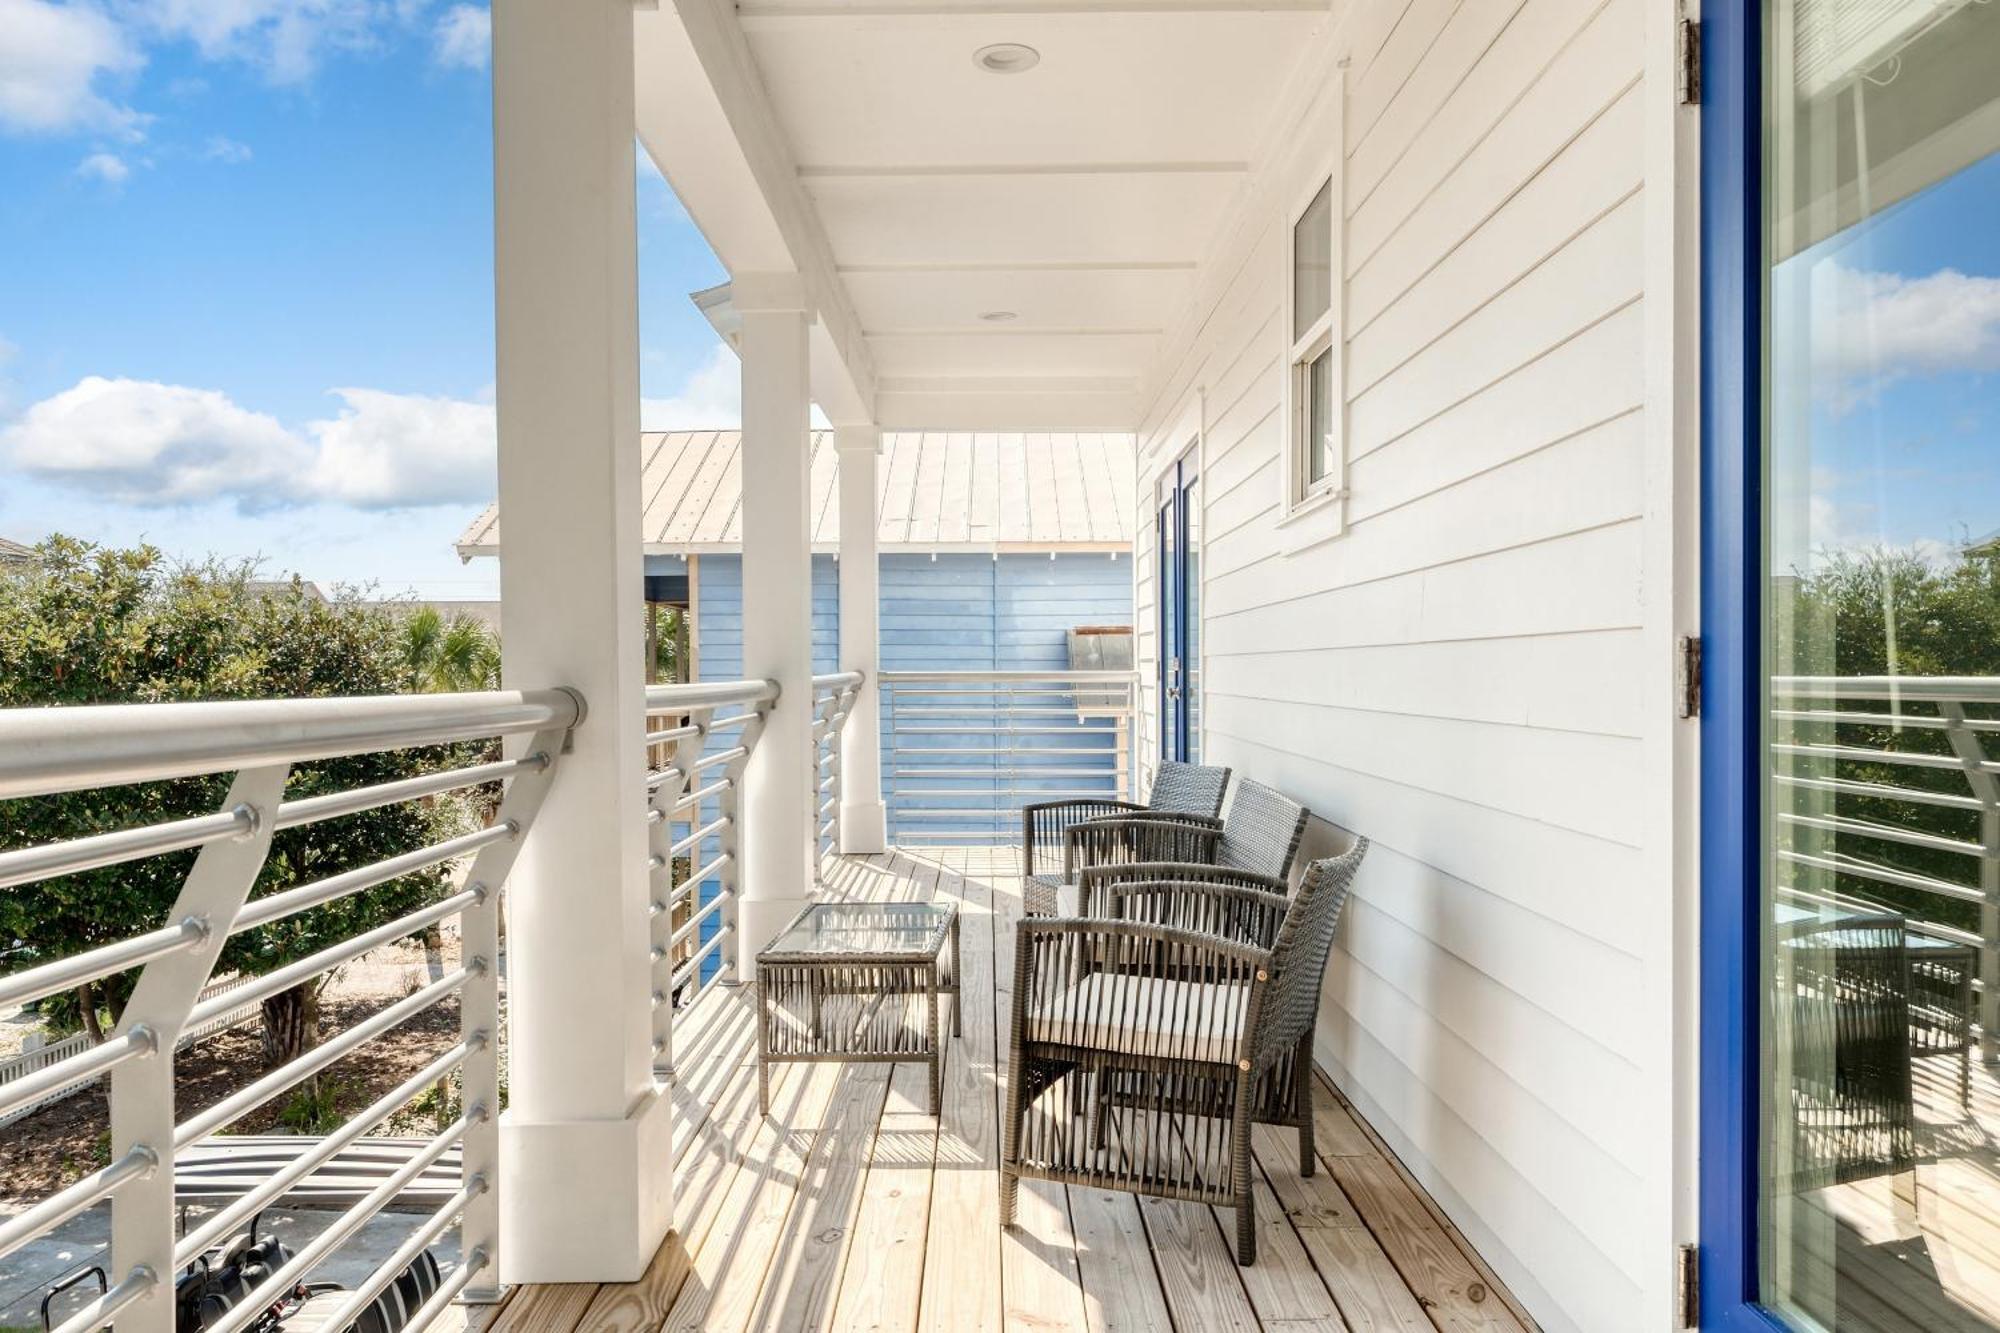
[
  {"x": 1312, "y": 262},
  {"x": 1880, "y": 1179},
  {"x": 1319, "y": 417}
]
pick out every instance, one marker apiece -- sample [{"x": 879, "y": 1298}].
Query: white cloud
[
  {"x": 1872, "y": 328},
  {"x": 710, "y": 399},
  {"x": 142, "y": 443},
  {"x": 386, "y": 449},
  {"x": 52, "y": 59},
  {"x": 222, "y": 148},
  {"x": 287, "y": 39},
  {"x": 465, "y": 37},
  {"x": 107, "y": 167}
]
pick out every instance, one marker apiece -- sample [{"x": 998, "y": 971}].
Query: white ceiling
[{"x": 1079, "y": 194}]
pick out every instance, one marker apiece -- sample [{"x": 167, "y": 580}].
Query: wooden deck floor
[{"x": 850, "y": 1208}]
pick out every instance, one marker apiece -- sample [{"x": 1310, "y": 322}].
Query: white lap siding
[{"x": 1459, "y": 674}]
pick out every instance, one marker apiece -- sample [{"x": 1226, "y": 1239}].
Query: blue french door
[
  {"x": 1179, "y": 522},
  {"x": 1850, "y": 896}
]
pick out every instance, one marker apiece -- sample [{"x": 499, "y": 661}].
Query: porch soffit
[{"x": 1073, "y": 202}]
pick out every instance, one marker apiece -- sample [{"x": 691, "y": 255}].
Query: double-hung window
[{"x": 1315, "y": 471}]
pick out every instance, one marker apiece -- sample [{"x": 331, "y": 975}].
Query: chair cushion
[
  {"x": 1151, "y": 1016},
  {"x": 1050, "y": 895}
]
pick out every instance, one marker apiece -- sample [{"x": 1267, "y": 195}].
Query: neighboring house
[
  {"x": 992, "y": 548},
  {"x": 13, "y": 553}
]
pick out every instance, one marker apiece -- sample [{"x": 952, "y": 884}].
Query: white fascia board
[
  {"x": 706, "y": 121},
  {"x": 833, "y": 388}
]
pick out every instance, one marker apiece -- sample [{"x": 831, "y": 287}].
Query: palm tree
[{"x": 441, "y": 655}]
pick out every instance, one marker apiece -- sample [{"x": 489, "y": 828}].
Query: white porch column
[
  {"x": 778, "y": 798},
  {"x": 585, "y": 1190},
  {"x": 863, "y": 822}
]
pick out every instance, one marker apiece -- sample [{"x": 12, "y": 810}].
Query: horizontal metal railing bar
[
  {"x": 129, "y": 844},
  {"x": 1011, "y": 729},
  {"x": 963, "y": 772},
  {"x": 45, "y": 750},
  {"x": 1883, "y": 875},
  {"x": 313, "y": 809},
  {"x": 712, "y": 868},
  {"x": 693, "y": 923},
  {"x": 698, "y": 696},
  {"x": 255, "y": 1200},
  {"x": 891, "y": 678},
  {"x": 1012, "y": 751},
  {"x": 309, "y": 1255},
  {"x": 80, "y": 1197},
  {"x": 95, "y": 964},
  {"x": 404, "y": 1255},
  {"x": 1862, "y": 828},
  {"x": 693, "y": 840},
  {"x": 1879, "y": 791},
  {"x": 263, "y": 911},
  {"x": 719, "y": 758},
  {"x": 837, "y": 680},
  {"x": 1848, "y": 718},
  {"x": 1864, "y": 755},
  {"x": 248, "y": 1098},
  {"x": 102, "y": 1311},
  {"x": 447, "y": 1293},
  {"x": 685, "y": 733},
  {"x": 271, "y": 983},
  {"x": 733, "y": 720},
  {"x": 1909, "y": 689},
  {"x": 81, "y": 1067},
  {"x": 826, "y": 805},
  {"x": 693, "y": 964},
  {"x": 700, "y": 794}
]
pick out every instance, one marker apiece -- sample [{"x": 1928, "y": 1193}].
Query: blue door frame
[
  {"x": 1732, "y": 585},
  {"x": 1172, "y": 496}
]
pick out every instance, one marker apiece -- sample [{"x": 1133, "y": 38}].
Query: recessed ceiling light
[
  {"x": 1006, "y": 58},
  {"x": 998, "y": 316}
]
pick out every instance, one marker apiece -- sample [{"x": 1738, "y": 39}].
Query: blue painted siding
[{"x": 957, "y": 612}]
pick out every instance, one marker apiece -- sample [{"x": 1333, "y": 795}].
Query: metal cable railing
[
  {"x": 51, "y": 750},
  {"x": 694, "y": 797},
  {"x": 963, "y": 751},
  {"x": 1886, "y": 793},
  {"x": 833, "y": 700}
]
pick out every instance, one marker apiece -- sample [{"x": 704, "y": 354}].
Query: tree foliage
[
  {"x": 1888, "y": 613},
  {"x": 89, "y": 625}
]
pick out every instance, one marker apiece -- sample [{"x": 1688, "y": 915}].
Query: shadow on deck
[{"x": 851, "y": 1208}]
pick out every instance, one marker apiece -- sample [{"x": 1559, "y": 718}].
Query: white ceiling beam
[
  {"x": 1027, "y": 386},
  {"x": 767, "y": 11},
  {"x": 1011, "y": 331},
  {"x": 948, "y": 171},
  {"x": 726, "y": 136},
  {"x": 1030, "y": 266}
]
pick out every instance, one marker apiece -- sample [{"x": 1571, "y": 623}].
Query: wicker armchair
[
  {"x": 1258, "y": 840},
  {"x": 1189, "y": 791},
  {"x": 1142, "y": 1052}
]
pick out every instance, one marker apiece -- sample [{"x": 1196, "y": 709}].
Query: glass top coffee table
[{"x": 856, "y": 981}]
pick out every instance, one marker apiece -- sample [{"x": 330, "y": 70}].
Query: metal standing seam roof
[
  {"x": 12, "y": 552},
  {"x": 939, "y": 491}
]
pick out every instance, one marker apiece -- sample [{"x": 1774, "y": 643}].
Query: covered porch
[{"x": 852, "y": 1207}]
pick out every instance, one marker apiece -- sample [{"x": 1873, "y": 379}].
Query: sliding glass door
[
  {"x": 1179, "y": 517},
  {"x": 1856, "y": 892}
]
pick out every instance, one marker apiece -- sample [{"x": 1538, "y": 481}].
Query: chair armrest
[
  {"x": 1236, "y": 912},
  {"x": 1150, "y": 836},
  {"x": 1044, "y": 823},
  {"x": 1053, "y": 957}
]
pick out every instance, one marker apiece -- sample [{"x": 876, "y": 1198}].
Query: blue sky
[
  {"x": 1901, "y": 320},
  {"x": 215, "y": 216}
]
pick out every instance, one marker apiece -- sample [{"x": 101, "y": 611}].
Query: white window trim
[{"x": 1315, "y": 511}]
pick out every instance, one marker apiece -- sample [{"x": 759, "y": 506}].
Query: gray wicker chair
[
  {"x": 1189, "y": 791},
  {"x": 1141, "y": 1053},
  {"x": 1257, "y": 840}
]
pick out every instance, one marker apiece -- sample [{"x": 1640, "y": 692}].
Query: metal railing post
[
  {"x": 1970, "y": 753},
  {"x": 142, "y": 1091},
  {"x": 479, "y": 1010},
  {"x": 731, "y": 873}
]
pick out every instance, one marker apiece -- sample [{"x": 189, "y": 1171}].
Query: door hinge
[
  {"x": 1687, "y": 1287},
  {"x": 1687, "y": 676},
  {"x": 1690, "y": 62}
]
